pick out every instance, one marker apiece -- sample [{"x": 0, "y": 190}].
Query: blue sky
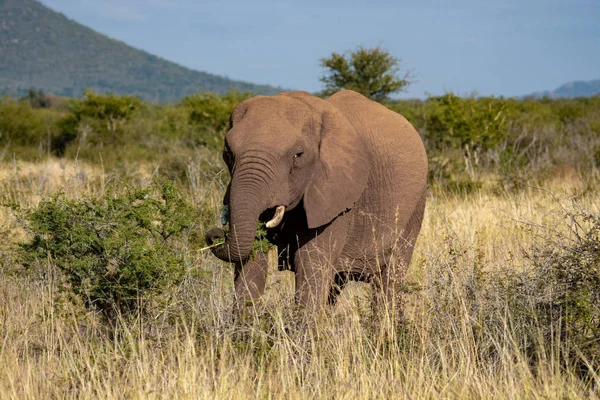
[{"x": 501, "y": 47}]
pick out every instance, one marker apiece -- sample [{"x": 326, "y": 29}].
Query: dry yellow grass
[{"x": 190, "y": 348}]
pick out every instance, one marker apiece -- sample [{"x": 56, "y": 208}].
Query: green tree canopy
[{"x": 371, "y": 72}]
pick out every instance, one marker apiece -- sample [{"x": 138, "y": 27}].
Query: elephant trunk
[
  {"x": 247, "y": 201},
  {"x": 240, "y": 238}
]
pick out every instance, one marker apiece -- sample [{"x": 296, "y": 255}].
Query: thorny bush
[{"x": 116, "y": 252}]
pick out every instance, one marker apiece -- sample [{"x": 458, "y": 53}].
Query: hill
[
  {"x": 572, "y": 90},
  {"x": 43, "y": 49}
]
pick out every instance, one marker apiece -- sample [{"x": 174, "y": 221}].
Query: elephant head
[{"x": 286, "y": 150}]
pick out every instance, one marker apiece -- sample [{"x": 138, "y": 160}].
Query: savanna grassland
[{"x": 502, "y": 296}]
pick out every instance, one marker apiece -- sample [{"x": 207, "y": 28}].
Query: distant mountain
[
  {"x": 572, "y": 89},
  {"x": 43, "y": 49}
]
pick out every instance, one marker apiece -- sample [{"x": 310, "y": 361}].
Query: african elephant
[{"x": 341, "y": 183}]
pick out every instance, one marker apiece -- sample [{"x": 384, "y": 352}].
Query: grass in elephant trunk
[
  {"x": 477, "y": 328},
  {"x": 261, "y": 244}
]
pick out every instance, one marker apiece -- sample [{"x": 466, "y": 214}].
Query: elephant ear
[{"x": 341, "y": 173}]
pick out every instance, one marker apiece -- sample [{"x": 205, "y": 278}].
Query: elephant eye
[{"x": 298, "y": 155}]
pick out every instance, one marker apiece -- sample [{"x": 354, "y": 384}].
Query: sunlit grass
[{"x": 448, "y": 346}]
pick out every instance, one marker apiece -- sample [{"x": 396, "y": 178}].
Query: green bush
[
  {"x": 466, "y": 138},
  {"x": 116, "y": 252},
  {"x": 106, "y": 115},
  {"x": 478, "y": 123},
  {"x": 21, "y": 125},
  {"x": 209, "y": 114},
  {"x": 37, "y": 99},
  {"x": 111, "y": 109}
]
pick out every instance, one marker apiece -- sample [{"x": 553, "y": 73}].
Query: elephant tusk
[
  {"x": 276, "y": 220},
  {"x": 225, "y": 215}
]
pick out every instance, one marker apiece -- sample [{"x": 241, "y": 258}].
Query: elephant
[{"x": 341, "y": 184}]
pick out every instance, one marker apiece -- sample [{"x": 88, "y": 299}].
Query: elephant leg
[
  {"x": 389, "y": 282},
  {"x": 390, "y": 279},
  {"x": 316, "y": 261},
  {"x": 251, "y": 277},
  {"x": 315, "y": 274}
]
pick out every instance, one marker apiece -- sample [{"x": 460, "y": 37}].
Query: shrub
[
  {"x": 23, "y": 126},
  {"x": 37, "y": 99},
  {"x": 458, "y": 122},
  {"x": 209, "y": 114},
  {"x": 104, "y": 114},
  {"x": 568, "y": 297},
  {"x": 115, "y": 252},
  {"x": 110, "y": 109},
  {"x": 548, "y": 309}
]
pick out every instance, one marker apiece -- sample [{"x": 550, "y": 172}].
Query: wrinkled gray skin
[{"x": 352, "y": 176}]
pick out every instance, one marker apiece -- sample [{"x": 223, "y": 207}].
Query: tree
[
  {"x": 37, "y": 99},
  {"x": 371, "y": 72}
]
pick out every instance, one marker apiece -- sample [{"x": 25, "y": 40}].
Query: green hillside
[{"x": 43, "y": 49}]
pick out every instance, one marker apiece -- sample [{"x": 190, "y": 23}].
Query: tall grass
[
  {"x": 502, "y": 299},
  {"x": 472, "y": 328}
]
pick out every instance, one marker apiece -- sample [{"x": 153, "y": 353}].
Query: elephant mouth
[{"x": 273, "y": 216}]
